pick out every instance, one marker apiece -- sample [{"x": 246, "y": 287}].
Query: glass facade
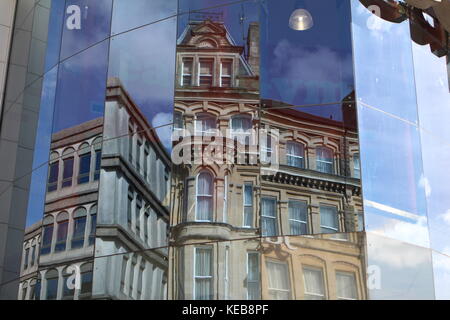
[{"x": 216, "y": 150}]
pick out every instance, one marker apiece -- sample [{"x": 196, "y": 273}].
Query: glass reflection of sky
[
  {"x": 81, "y": 87},
  {"x": 42, "y": 147},
  {"x": 402, "y": 271},
  {"x": 384, "y": 71},
  {"x": 95, "y": 26},
  {"x": 144, "y": 59},
  {"x": 306, "y": 67},
  {"x": 433, "y": 99},
  {"x": 392, "y": 176}
]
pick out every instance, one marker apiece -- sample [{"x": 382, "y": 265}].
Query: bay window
[
  {"x": 203, "y": 276},
  {"x": 205, "y": 189}
]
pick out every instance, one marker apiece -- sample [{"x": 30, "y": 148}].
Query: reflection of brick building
[
  {"x": 217, "y": 93},
  {"x": 315, "y": 187},
  {"x": 314, "y": 268},
  {"x": 108, "y": 196}
]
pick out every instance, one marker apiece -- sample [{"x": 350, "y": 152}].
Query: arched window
[
  {"x": 295, "y": 154},
  {"x": 47, "y": 235},
  {"x": 86, "y": 280},
  {"x": 84, "y": 163},
  {"x": 205, "y": 125},
  {"x": 79, "y": 227},
  {"x": 205, "y": 197},
  {"x": 68, "y": 293},
  {"x": 61, "y": 231},
  {"x": 97, "y": 144},
  {"x": 68, "y": 162},
  {"x": 53, "y": 172},
  {"x": 51, "y": 278},
  {"x": 324, "y": 160},
  {"x": 241, "y": 129},
  {"x": 93, "y": 213}
]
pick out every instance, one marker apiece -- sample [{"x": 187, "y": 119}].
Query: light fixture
[{"x": 301, "y": 19}]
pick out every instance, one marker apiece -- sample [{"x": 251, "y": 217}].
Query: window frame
[
  {"x": 230, "y": 76},
  {"x": 210, "y": 76},
  {"x": 288, "y": 276},
  {"x": 306, "y": 293},
  {"x": 183, "y": 74},
  {"x": 290, "y": 219},
  {"x": 337, "y": 229},
  {"x": 274, "y": 217},
  {"x": 324, "y": 161},
  {"x": 211, "y": 196},
  {"x": 210, "y": 277},
  {"x": 301, "y": 157}
]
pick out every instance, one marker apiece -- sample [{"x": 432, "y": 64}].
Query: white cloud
[
  {"x": 425, "y": 183},
  {"x": 446, "y": 217},
  {"x": 163, "y": 120}
]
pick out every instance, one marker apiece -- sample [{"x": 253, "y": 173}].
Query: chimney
[{"x": 253, "y": 47}]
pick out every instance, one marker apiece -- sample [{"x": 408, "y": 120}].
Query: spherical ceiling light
[{"x": 301, "y": 20}]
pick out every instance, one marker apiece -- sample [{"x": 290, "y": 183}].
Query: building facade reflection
[{"x": 203, "y": 150}]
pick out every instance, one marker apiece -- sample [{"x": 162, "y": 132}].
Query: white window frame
[
  {"x": 186, "y": 74},
  {"x": 201, "y": 195},
  {"x": 353, "y": 275},
  {"x": 289, "y": 155},
  {"x": 195, "y": 277},
  {"x": 336, "y": 230},
  {"x": 241, "y": 133},
  {"x": 324, "y": 295},
  {"x": 325, "y": 161},
  {"x": 295, "y": 220},
  {"x": 286, "y": 267},
  {"x": 210, "y": 132},
  {"x": 275, "y": 217}
]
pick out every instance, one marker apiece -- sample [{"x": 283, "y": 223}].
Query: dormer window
[
  {"x": 225, "y": 72},
  {"x": 206, "y": 72},
  {"x": 186, "y": 69}
]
